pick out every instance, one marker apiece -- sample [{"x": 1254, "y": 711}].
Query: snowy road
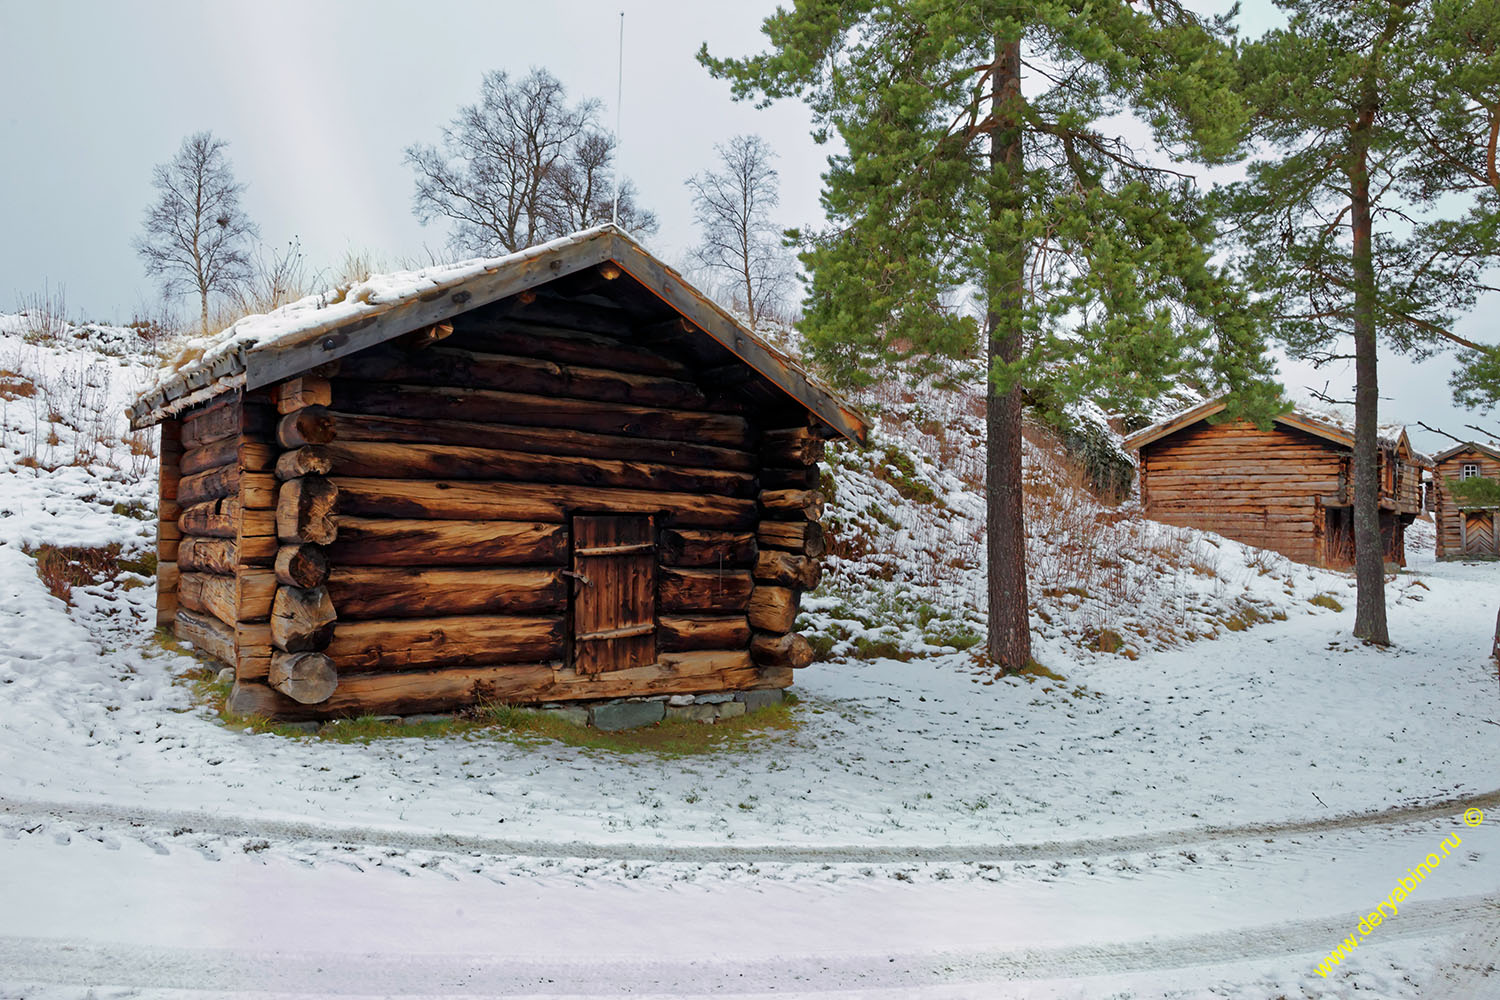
[
  {"x": 226, "y": 824},
  {"x": 96, "y": 906}
]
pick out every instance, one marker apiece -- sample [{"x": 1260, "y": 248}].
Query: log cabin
[
  {"x": 564, "y": 475},
  {"x": 1465, "y": 530},
  {"x": 1288, "y": 488}
]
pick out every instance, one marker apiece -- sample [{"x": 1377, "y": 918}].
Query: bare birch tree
[
  {"x": 740, "y": 244},
  {"x": 196, "y": 237},
  {"x": 582, "y": 191},
  {"x": 520, "y": 167}
]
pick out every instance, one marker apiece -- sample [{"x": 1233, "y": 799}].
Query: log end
[
  {"x": 790, "y": 650},
  {"x": 307, "y": 678},
  {"x": 302, "y": 566}
]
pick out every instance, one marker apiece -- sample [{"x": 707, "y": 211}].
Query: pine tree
[
  {"x": 1356, "y": 228},
  {"x": 984, "y": 150},
  {"x": 1457, "y": 70}
]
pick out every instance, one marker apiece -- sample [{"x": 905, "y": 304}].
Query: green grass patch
[
  {"x": 959, "y": 635},
  {"x": 822, "y": 645},
  {"x": 868, "y": 648},
  {"x": 828, "y": 485},
  {"x": 136, "y": 509},
  {"x": 1245, "y": 615},
  {"x": 1035, "y": 670},
  {"x": 1326, "y": 601},
  {"x": 901, "y": 472},
  {"x": 668, "y": 738},
  {"x": 523, "y": 726}
]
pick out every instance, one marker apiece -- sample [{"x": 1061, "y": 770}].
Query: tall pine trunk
[
  {"x": 1005, "y": 522},
  {"x": 1369, "y": 551}
]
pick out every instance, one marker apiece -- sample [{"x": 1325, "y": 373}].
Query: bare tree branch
[
  {"x": 1439, "y": 430},
  {"x": 196, "y": 238},
  {"x": 520, "y": 167},
  {"x": 732, "y": 208},
  {"x": 1492, "y": 435}
]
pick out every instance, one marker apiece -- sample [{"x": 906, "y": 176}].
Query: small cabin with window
[
  {"x": 1289, "y": 488},
  {"x": 1466, "y": 501},
  {"x": 564, "y": 475}
]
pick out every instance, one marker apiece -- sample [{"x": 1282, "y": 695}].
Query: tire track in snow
[
  {"x": 1471, "y": 971},
  {"x": 230, "y": 825},
  {"x": 62, "y": 962}
]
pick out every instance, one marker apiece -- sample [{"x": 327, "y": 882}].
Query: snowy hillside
[
  {"x": 71, "y": 472},
  {"x": 906, "y": 573}
]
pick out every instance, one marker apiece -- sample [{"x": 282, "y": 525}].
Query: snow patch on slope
[{"x": 906, "y": 570}]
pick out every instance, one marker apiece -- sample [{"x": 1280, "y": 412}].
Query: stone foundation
[{"x": 632, "y": 713}]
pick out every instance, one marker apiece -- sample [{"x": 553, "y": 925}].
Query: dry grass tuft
[
  {"x": 14, "y": 385},
  {"x": 63, "y": 568},
  {"x": 46, "y": 316}
]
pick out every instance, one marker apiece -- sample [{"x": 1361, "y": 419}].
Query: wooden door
[
  {"x": 1338, "y": 537},
  {"x": 1478, "y": 533},
  {"x": 614, "y": 592}
]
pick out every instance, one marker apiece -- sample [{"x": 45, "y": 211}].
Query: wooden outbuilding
[
  {"x": 1465, "y": 529},
  {"x": 561, "y": 475},
  {"x": 1289, "y": 488}
]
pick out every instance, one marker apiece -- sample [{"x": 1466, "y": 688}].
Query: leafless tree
[
  {"x": 196, "y": 237},
  {"x": 519, "y": 167},
  {"x": 740, "y": 244},
  {"x": 581, "y": 192}
]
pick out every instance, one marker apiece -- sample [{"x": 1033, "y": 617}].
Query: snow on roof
[
  {"x": 1342, "y": 417},
  {"x": 259, "y": 350},
  {"x": 1467, "y": 446},
  {"x": 1333, "y": 423},
  {"x": 218, "y": 357}
]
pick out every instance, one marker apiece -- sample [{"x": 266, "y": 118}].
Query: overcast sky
[{"x": 319, "y": 97}]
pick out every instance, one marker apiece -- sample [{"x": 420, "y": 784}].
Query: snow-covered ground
[{"x": 1209, "y": 818}]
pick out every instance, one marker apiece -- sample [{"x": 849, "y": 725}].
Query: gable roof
[
  {"x": 260, "y": 350},
  {"x": 1459, "y": 449},
  {"x": 1318, "y": 426}
]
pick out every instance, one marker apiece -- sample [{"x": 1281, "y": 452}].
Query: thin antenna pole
[{"x": 614, "y": 215}]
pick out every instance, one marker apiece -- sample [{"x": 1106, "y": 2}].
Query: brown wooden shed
[
  {"x": 1464, "y": 530},
  {"x": 1289, "y": 488},
  {"x": 560, "y": 475}
]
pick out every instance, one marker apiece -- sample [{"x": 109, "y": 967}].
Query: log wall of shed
[
  {"x": 427, "y": 488},
  {"x": 1445, "y": 510},
  {"x": 216, "y": 523},
  {"x": 1260, "y": 487}
]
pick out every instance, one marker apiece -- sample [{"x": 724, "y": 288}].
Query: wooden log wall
[
  {"x": 1263, "y": 488},
  {"x": 1407, "y": 490},
  {"x": 1452, "y": 531},
  {"x": 790, "y": 537},
  {"x": 168, "y": 532},
  {"x": 223, "y": 497},
  {"x": 302, "y": 613},
  {"x": 423, "y": 518}
]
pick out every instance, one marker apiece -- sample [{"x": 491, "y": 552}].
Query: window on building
[{"x": 1471, "y": 470}]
